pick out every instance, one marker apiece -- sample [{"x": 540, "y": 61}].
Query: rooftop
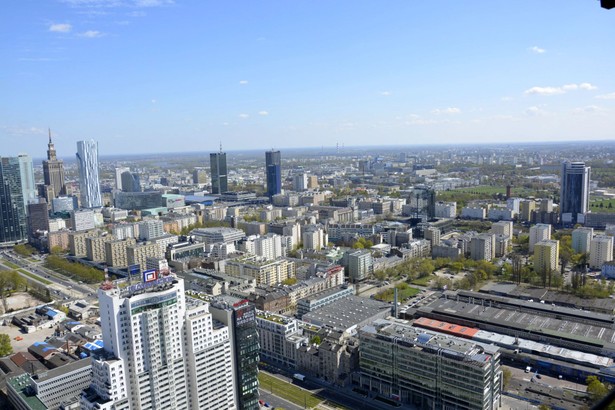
[
  {"x": 347, "y": 312},
  {"x": 21, "y": 385}
]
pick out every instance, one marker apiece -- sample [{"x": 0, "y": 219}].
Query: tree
[
  {"x": 595, "y": 388},
  {"x": 10, "y": 281},
  {"x": 315, "y": 340},
  {"x": 5, "y": 345},
  {"x": 289, "y": 281}
]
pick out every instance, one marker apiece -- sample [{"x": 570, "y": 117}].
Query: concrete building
[
  {"x": 427, "y": 369},
  {"x": 473, "y": 213},
  {"x": 581, "y": 239},
  {"x": 116, "y": 254},
  {"x": 359, "y": 264},
  {"x": 215, "y": 235},
  {"x": 82, "y": 220},
  {"x": 324, "y": 298},
  {"x": 118, "y": 177},
  {"x": 601, "y": 251},
  {"x": 526, "y": 207},
  {"x": 280, "y": 337},
  {"x": 150, "y": 229},
  {"x": 482, "y": 247},
  {"x": 95, "y": 248},
  {"x": 76, "y": 242},
  {"x": 539, "y": 232},
  {"x": 269, "y": 246},
  {"x": 89, "y": 184},
  {"x": 300, "y": 182},
  {"x": 446, "y": 209},
  {"x": 53, "y": 172},
  {"x": 314, "y": 237},
  {"x": 433, "y": 236},
  {"x": 161, "y": 350},
  {"x": 546, "y": 256},
  {"x": 51, "y": 389},
  {"x": 265, "y": 272},
  {"x": 503, "y": 228},
  {"x": 137, "y": 254}
]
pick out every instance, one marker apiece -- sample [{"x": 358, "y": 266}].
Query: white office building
[
  {"x": 538, "y": 233},
  {"x": 89, "y": 183},
  {"x": 581, "y": 239},
  {"x": 162, "y": 350},
  {"x": 601, "y": 251},
  {"x": 150, "y": 229}
]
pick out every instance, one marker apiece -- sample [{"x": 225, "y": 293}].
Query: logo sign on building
[{"x": 150, "y": 275}]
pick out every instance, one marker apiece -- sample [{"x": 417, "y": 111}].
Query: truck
[{"x": 299, "y": 376}]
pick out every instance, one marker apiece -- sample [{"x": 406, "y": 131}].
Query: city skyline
[{"x": 291, "y": 75}]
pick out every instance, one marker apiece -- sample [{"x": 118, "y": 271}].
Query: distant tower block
[{"x": 508, "y": 191}]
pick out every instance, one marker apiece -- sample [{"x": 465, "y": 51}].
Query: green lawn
[
  {"x": 287, "y": 391},
  {"x": 9, "y": 264},
  {"x": 608, "y": 205},
  {"x": 403, "y": 292},
  {"x": 424, "y": 281},
  {"x": 35, "y": 277}
]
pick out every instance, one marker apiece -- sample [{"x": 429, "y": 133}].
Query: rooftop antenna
[
  {"x": 49, "y": 135},
  {"x": 220, "y": 146}
]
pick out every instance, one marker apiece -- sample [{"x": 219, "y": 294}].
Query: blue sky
[{"x": 183, "y": 75}]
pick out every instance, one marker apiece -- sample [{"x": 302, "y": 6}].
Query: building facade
[
  {"x": 429, "y": 370},
  {"x": 89, "y": 183},
  {"x": 219, "y": 178},
  {"x": 574, "y": 192},
  {"x": 53, "y": 172},
  {"x": 273, "y": 163},
  {"x": 161, "y": 350},
  {"x": 13, "y": 223}
]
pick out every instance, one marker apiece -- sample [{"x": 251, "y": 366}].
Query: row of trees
[{"x": 84, "y": 273}]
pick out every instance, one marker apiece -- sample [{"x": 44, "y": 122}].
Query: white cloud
[
  {"x": 609, "y": 96},
  {"x": 243, "y": 82},
  {"x": 60, "y": 28},
  {"x": 263, "y": 113},
  {"x": 153, "y": 3},
  {"x": 591, "y": 109},
  {"x": 118, "y": 3},
  {"x": 385, "y": 93},
  {"x": 505, "y": 99},
  {"x": 92, "y": 34},
  {"x": 587, "y": 86},
  {"x": 449, "y": 110},
  {"x": 537, "y": 50},
  {"x": 244, "y": 116},
  {"x": 559, "y": 90},
  {"x": 535, "y": 111}
]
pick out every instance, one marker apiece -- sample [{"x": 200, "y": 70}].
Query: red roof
[{"x": 445, "y": 327}]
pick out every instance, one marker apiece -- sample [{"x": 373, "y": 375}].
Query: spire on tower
[
  {"x": 220, "y": 146},
  {"x": 49, "y": 135}
]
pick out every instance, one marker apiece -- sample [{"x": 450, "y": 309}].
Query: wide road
[
  {"x": 276, "y": 401},
  {"x": 62, "y": 286}
]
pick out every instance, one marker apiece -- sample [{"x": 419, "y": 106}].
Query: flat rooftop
[
  {"x": 421, "y": 339},
  {"x": 524, "y": 320},
  {"x": 347, "y": 312}
]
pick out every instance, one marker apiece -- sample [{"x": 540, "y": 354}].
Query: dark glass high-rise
[{"x": 273, "y": 160}]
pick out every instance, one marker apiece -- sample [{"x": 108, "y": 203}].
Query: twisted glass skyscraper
[{"x": 89, "y": 184}]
